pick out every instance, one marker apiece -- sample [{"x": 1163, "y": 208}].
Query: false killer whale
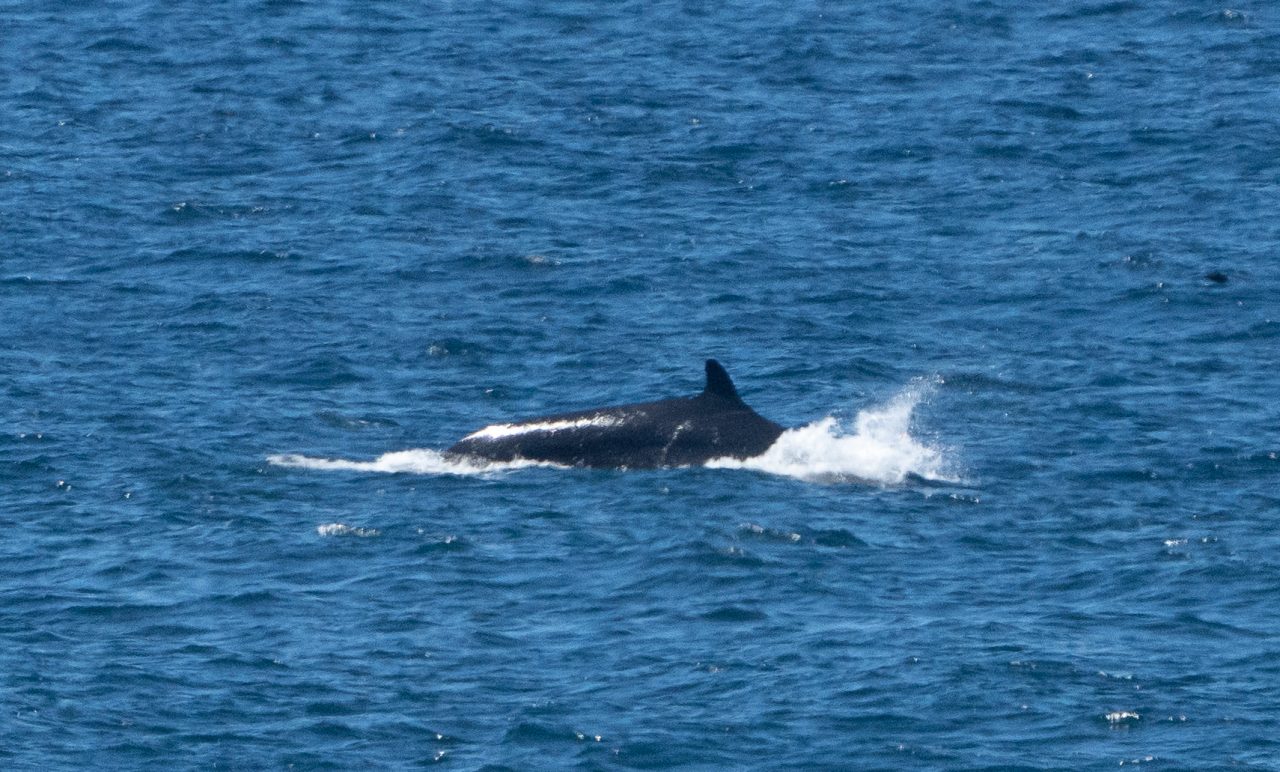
[{"x": 682, "y": 431}]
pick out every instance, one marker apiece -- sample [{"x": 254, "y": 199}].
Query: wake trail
[{"x": 415, "y": 461}]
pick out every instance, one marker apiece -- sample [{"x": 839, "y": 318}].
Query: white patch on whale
[{"x": 496, "y": 431}]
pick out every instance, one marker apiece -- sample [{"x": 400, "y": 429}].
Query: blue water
[{"x": 260, "y": 261}]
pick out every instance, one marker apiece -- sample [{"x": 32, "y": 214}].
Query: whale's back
[{"x": 682, "y": 431}]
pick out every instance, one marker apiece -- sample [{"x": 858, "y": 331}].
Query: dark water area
[{"x": 1010, "y": 271}]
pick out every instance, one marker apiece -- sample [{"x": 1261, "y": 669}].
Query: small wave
[
  {"x": 342, "y": 529},
  {"x": 879, "y": 450},
  {"x": 1122, "y": 716},
  {"x": 405, "y": 461}
]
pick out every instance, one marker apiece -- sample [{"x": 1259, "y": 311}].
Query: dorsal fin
[{"x": 718, "y": 383}]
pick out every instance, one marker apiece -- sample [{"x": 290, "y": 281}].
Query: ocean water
[{"x": 1009, "y": 271}]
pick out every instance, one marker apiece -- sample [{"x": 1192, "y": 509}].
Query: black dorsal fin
[{"x": 718, "y": 383}]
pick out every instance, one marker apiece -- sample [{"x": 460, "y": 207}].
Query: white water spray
[{"x": 879, "y": 450}]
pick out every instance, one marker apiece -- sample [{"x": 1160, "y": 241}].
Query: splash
[{"x": 879, "y": 450}]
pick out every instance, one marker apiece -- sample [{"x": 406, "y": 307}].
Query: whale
[{"x": 674, "y": 432}]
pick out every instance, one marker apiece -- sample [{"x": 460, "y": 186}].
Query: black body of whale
[{"x": 682, "y": 431}]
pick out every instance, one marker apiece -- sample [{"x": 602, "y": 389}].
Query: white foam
[
  {"x": 508, "y": 430},
  {"x": 406, "y": 461},
  {"x": 879, "y": 450},
  {"x": 342, "y": 529}
]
